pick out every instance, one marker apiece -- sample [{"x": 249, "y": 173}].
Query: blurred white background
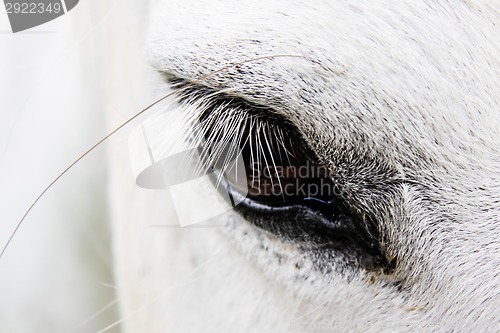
[{"x": 56, "y": 275}]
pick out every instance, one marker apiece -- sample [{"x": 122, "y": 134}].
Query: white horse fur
[{"x": 399, "y": 97}]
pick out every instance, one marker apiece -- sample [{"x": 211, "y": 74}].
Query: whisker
[{"x": 128, "y": 121}]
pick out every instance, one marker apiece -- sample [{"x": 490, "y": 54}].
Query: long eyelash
[
  {"x": 271, "y": 155},
  {"x": 221, "y": 130}
]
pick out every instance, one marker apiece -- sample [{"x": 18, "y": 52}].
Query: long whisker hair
[{"x": 230, "y": 116}]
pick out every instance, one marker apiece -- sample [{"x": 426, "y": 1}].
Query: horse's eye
[
  {"x": 284, "y": 189},
  {"x": 278, "y": 170}
]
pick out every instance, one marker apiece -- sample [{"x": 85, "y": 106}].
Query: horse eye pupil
[{"x": 278, "y": 171}]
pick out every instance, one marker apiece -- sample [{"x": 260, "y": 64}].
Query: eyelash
[
  {"x": 269, "y": 155},
  {"x": 220, "y": 126}
]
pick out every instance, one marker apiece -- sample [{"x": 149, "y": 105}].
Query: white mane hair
[{"x": 399, "y": 98}]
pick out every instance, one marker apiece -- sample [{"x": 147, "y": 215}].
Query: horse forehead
[
  {"x": 413, "y": 51},
  {"x": 338, "y": 29}
]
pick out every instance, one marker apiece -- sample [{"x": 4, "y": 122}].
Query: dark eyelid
[{"x": 198, "y": 91}]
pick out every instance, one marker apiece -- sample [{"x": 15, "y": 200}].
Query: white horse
[{"x": 399, "y": 100}]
